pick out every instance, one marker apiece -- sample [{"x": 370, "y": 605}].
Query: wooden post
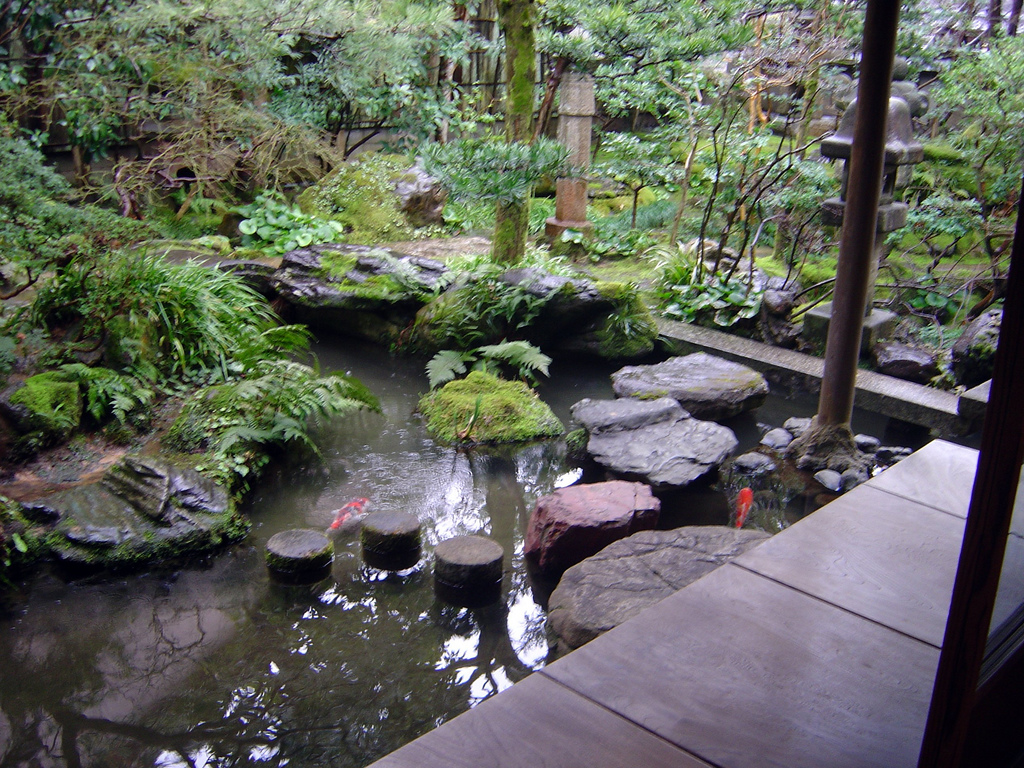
[
  {"x": 576, "y": 111},
  {"x": 985, "y": 535},
  {"x": 856, "y": 244}
]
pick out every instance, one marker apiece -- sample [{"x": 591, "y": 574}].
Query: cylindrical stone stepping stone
[
  {"x": 467, "y": 571},
  {"x": 299, "y": 556},
  {"x": 391, "y": 540}
]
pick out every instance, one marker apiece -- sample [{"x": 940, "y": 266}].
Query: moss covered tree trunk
[{"x": 517, "y": 18}]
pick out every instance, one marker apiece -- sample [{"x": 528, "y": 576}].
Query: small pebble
[
  {"x": 777, "y": 439},
  {"x": 797, "y": 425},
  {"x": 830, "y": 479},
  {"x": 867, "y": 443},
  {"x": 753, "y": 463},
  {"x": 851, "y": 478}
]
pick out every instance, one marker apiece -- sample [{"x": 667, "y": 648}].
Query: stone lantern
[{"x": 901, "y": 153}]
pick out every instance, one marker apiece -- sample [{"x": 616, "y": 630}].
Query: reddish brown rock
[{"x": 574, "y": 523}]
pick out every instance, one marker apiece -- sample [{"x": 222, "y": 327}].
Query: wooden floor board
[
  {"x": 940, "y": 475},
  {"x": 748, "y": 673},
  {"x": 539, "y": 723},
  {"x": 873, "y": 553}
]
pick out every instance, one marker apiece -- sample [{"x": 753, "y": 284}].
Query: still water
[{"x": 215, "y": 665}]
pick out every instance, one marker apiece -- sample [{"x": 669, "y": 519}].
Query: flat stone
[
  {"x": 630, "y": 575},
  {"x": 300, "y": 551},
  {"x": 708, "y": 387},
  {"x": 669, "y": 449},
  {"x": 576, "y": 522}
]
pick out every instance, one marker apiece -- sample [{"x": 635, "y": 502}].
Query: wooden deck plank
[
  {"x": 748, "y": 673},
  {"x": 878, "y": 555},
  {"x": 539, "y": 722},
  {"x": 940, "y": 475}
]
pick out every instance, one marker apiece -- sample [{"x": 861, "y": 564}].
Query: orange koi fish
[
  {"x": 744, "y": 501},
  {"x": 355, "y": 507}
]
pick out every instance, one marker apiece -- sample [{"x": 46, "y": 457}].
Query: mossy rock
[
  {"x": 482, "y": 408},
  {"x": 360, "y": 196},
  {"x": 628, "y": 332},
  {"x": 54, "y": 404}
]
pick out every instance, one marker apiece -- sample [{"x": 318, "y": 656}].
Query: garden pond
[{"x": 214, "y": 664}]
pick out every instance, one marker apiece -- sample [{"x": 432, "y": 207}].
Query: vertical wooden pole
[
  {"x": 985, "y": 536},
  {"x": 856, "y": 243}
]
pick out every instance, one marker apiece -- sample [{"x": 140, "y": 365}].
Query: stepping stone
[
  {"x": 468, "y": 570},
  {"x": 707, "y": 387},
  {"x": 630, "y": 575},
  {"x": 576, "y": 522},
  {"x": 299, "y": 556},
  {"x": 653, "y": 441},
  {"x": 391, "y": 541}
]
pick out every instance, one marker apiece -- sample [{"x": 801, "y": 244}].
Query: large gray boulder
[
  {"x": 974, "y": 353},
  {"x": 421, "y": 197},
  {"x": 576, "y": 522},
  {"x": 905, "y": 362},
  {"x": 706, "y": 386},
  {"x": 634, "y": 573},
  {"x": 653, "y": 441},
  {"x": 356, "y": 290}
]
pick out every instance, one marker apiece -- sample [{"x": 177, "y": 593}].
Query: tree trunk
[{"x": 517, "y": 18}]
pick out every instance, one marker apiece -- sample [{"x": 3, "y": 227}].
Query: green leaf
[{"x": 19, "y": 543}]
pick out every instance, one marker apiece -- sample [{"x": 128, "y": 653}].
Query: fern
[
  {"x": 446, "y": 365},
  {"x": 108, "y": 393},
  {"x": 522, "y": 357}
]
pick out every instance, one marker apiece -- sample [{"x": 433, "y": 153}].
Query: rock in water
[
  {"x": 144, "y": 509},
  {"x": 707, "y": 387},
  {"x": 654, "y": 441},
  {"x": 579, "y": 521},
  {"x": 625, "y": 577}
]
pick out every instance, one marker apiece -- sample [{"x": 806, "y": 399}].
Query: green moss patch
[
  {"x": 482, "y": 408},
  {"x": 54, "y": 402},
  {"x": 360, "y": 196}
]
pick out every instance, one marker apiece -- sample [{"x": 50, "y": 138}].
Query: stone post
[{"x": 576, "y": 111}]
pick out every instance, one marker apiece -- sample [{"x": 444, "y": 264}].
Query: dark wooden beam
[{"x": 988, "y": 524}]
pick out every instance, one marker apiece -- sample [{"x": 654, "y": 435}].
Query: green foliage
[
  {"x": 492, "y": 170},
  {"x": 636, "y": 162},
  {"x": 238, "y": 423},
  {"x": 523, "y": 358},
  {"x": 153, "y": 317},
  {"x": 629, "y": 331},
  {"x": 39, "y": 227},
  {"x": 271, "y": 224},
  {"x": 19, "y": 542},
  {"x": 359, "y": 196},
  {"x": 107, "y": 393},
  {"x": 482, "y": 408},
  {"x": 713, "y": 301},
  {"x": 482, "y": 308}
]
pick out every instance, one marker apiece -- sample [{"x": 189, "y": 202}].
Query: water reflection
[{"x": 215, "y": 665}]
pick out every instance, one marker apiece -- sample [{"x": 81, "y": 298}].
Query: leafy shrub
[
  {"x": 715, "y": 301},
  {"x": 107, "y": 393},
  {"x": 359, "y": 196},
  {"x": 153, "y": 318},
  {"x": 272, "y": 224},
  {"x": 236, "y": 424}
]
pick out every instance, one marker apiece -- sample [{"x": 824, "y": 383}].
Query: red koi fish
[
  {"x": 744, "y": 501},
  {"x": 352, "y": 509}
]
